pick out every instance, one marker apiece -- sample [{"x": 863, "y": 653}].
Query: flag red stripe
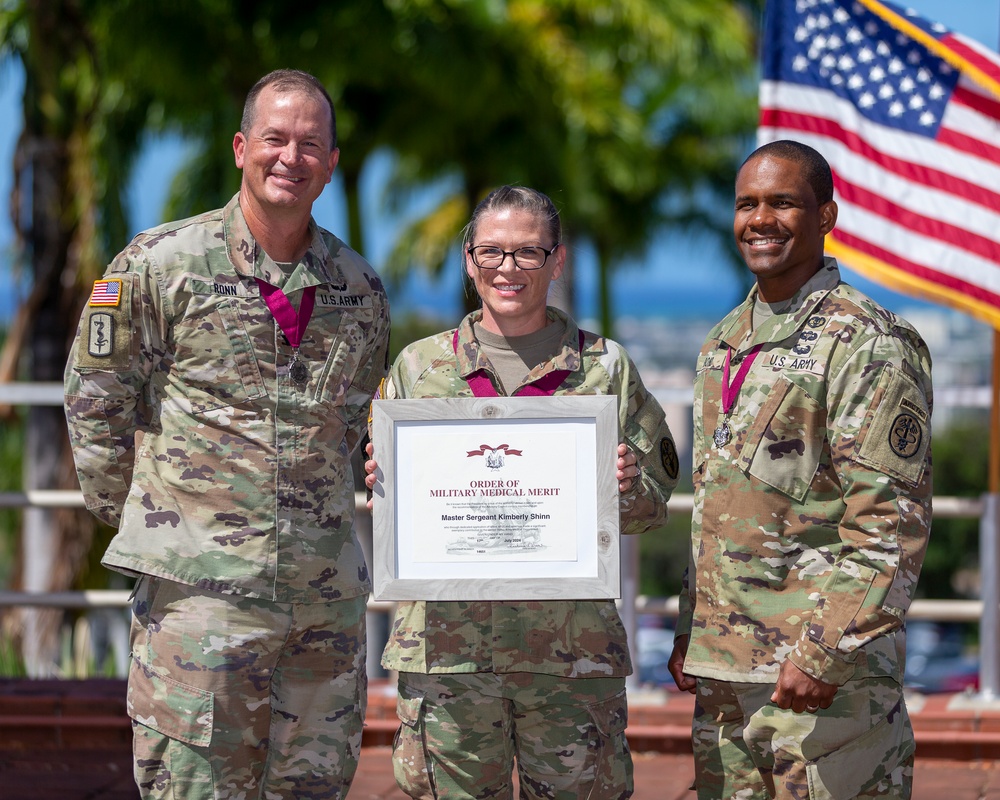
[
  {"x": 931, "y": 227},
  {"x": 978, "y": 102},
  {"x": 969, "y": 144},
  {"x": 919, "y": 270},
  {"x": 975, "y": 57},
  {"x": 934, "y": 178}
]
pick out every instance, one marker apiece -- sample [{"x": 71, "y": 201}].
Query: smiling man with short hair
[
  {"x": 241, "y": 348},
  {"x": 812, "y": 509}
]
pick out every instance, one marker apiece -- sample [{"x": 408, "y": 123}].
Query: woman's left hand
[{"x": 628, "y": 468}]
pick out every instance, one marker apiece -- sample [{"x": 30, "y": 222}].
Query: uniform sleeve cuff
[
  {"x": 682, "y": 626},
  {"x": 815, "y": 660}
]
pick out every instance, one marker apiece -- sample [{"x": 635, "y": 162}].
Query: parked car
[
  {"x": 654, "y": 646},
  {"x": 937, "y": 659}
]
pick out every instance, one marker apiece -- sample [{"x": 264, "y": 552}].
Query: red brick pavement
[
  {"x": 958, "y": 748},
  {"x": 71, "y": 740},
  {"x": 660, "y": 776}
]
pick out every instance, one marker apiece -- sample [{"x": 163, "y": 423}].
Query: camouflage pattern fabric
[
  {"x": 234, "y": 697},
  {"x": 748, "y": 748},
  {"x": 459, "y": 735},
  {"x": 224, "y": 472},
  {"x": 810, "y": 524},
  {"x": 539, "y": 682},
  {"x": 570, "y": 639},
  {"x": 191, "y": 436}
]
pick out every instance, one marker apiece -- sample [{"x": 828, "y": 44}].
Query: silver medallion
[
  {"x": 298, "y": 371},
  {"x": 722, "y": 435}
]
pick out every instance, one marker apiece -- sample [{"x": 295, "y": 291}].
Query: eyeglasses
[{"x": 486, "y": 256}]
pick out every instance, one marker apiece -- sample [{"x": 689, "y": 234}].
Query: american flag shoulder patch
[{"x": 106, "y": 293}]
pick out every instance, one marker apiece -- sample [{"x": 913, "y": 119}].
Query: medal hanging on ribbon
[
  {"x": 730, "y": 391},
  {"x": 293, "y": 324}
]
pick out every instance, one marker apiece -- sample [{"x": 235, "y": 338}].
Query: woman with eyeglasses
[{"x": 543, "y": 682}]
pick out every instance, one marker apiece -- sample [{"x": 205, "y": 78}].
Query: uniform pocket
[
  {"x": 844, "y": 594},
  {"x": 346, "y": 343},
  {"x": 782, "y": 448},
  {"x": 214, "y": 355},
  {"x": 863, "y": 762},
  {"x": 614, "y": 777},
  {"x": 174, "y": 709},
  {"x": 896, "y": 435},
  {"x": 410, "y": 764}
]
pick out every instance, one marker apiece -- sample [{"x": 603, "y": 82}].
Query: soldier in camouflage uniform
[
  {"x": 812, "y": 509},
  {"x": 212, "y": 418},
  {"x": 483, "y": 683}
]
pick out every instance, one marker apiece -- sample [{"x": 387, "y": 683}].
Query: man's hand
[
  {"x": 801, "y": 692},
  {"x": 686, "y": 683}
]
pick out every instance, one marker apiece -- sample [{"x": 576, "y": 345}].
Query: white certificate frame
[{"x": 423, "y": 437}]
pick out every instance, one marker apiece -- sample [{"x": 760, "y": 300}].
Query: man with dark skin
[{"x": 812, "y": 510}]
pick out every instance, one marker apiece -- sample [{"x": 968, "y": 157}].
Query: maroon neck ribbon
[
  {"x": 481, "y": 385},
  {"x": 730, "y": 391},
  {"x": 293, "y": 324}
]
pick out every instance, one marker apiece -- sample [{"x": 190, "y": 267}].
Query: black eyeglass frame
[{"x": 513, "y": 255}]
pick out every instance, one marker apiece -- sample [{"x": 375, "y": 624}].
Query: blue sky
[{"x": 654, "y": 286}]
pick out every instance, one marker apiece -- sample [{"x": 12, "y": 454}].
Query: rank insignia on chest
[{"x": 106, "y": 293}]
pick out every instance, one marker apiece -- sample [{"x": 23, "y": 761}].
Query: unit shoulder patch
[
  {"x": 104, "y": 341},
  {"x": 898, "y": 434},
  {"x": 669, "y": 458}
]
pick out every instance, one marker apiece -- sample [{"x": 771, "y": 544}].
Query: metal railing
[{"x": 985, "y": 611}]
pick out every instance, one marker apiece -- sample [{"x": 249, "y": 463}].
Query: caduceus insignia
[
  {"x": 101, "y": 340},
  {"x": 905, "y": 436}
]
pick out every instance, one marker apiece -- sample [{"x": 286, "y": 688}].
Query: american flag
[
  {"x": 908, "y": 115},
  {"x": 106, "y": 293}
]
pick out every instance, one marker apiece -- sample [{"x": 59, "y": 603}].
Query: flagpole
[
  {"x": 989, "y": 550},
  {"x": 993, "y": 484},
  {"x": 994, "y": 466}
]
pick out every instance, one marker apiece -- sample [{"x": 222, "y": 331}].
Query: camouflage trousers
[
  {"x": 460, "y": 735},
  {"x": 746, "y": 748},
  {"x": 238, "y": 698}
]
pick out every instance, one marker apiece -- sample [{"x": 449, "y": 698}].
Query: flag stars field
[{"x": 908, "y": 115}]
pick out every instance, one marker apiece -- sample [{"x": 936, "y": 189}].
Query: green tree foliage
[
  {"x": 612, "y": 106},
  {"x": 664, "y": 552},
  {"x": 74, "y": 150},
  {"x": 961, "y": 456},
  {"x": 632, "y": 115}
]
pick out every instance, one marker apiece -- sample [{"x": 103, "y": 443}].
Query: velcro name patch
[{"x": 342, "y": 300}]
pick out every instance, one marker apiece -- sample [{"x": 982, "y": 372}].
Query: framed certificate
[{"x": 499, "y": 498}]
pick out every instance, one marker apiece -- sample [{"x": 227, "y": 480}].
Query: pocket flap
[
  {"x": 859, "y": 765},
  {"x": 408, "y": 710},
  {"x": 159, "y": 702},
  {"x": 611, "y": 715}
]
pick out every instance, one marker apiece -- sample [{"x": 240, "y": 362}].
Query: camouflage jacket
[
  {"x": 188, "y": 431},
  {"x": 566, "y": 638},
  {"x": 810, "y": 524}
]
